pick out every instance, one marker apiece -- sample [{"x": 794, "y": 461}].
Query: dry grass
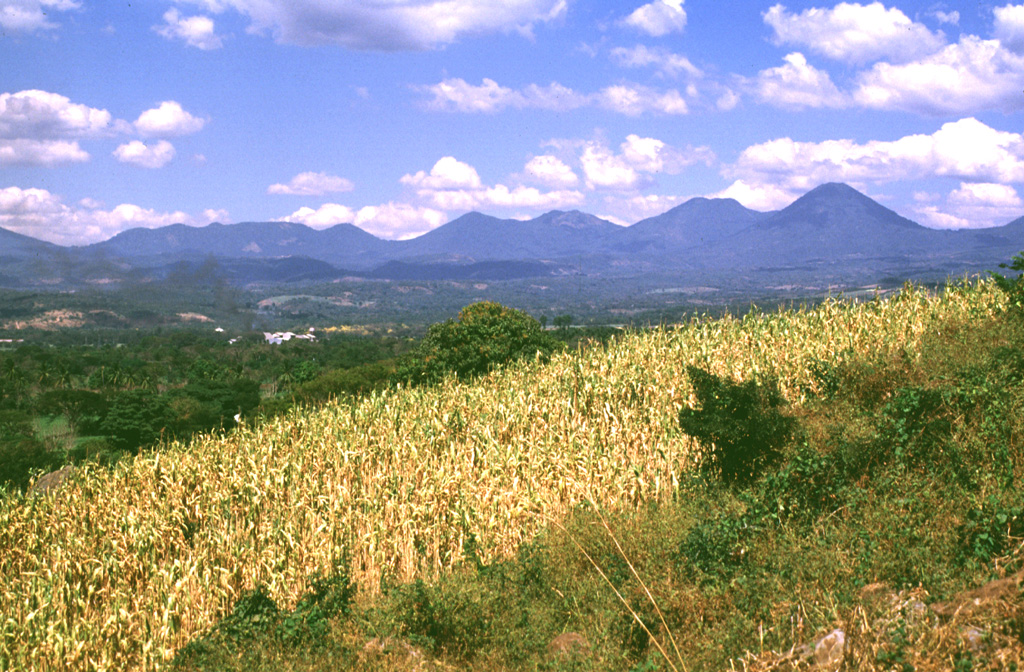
[{"x": 125, "y": 566}]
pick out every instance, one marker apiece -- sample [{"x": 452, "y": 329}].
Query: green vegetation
[
  {"x": 862, "y": 469},
  {"x": 486, "y": 336}
]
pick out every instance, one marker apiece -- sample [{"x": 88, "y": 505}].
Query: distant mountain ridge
[{"x": 831, "y": 229}]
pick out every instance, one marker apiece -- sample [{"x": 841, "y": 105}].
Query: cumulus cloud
[
  {"x": 196, "y": 31},
  {"x": 551, "y": 171},
  {"x": 634, "y": 100},
  {"x": 325, "y": 216},
  {"x": 1009, "y": 27},
  {"x": 41, "y": 214},
  {"x": 312, "y": 184},
  {"x": 43, "y": 115},
  {"x": 658, "y": 18},
  {"x": 796, "y": 85},
  {"x": 638, "y": 160},
  {"x": 390, "y": 26},
  {"x": 454, "y": 185},
  {"x": 39, "y": 128},
  {"x": 447, "y": 173},
  {"x": 457, "y": 95},
  {"x": 663, "y": 60},
  {"x": 967, "y": 149},
  {"x": 25, "y": 152},
  {"x": 139, "y": 153},
  {"x": 962, "y": 78},
  {"x": 952, "y": 18},
  {"x": 169, "y": 119},
  {"x": 27, "y": 16},
  {"x": 975, "y": 205},
  {"x": 853, "y": 32},
  {"x": 763, "y": 197},
  {"x": 390, "y": 220}
]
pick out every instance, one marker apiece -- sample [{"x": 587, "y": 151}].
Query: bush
[
  {"x": 739, "y": 425},
  {"x": 988, "y": 531},
  {"x": 486, "y": 336},
  {"x": 22, "y": 457}
]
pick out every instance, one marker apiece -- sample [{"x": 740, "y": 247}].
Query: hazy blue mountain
[
  {"x": 834, "y": 224},
  {"x": 17, "y": 246},
  {"x": 479, "y": 237},
  {"x": 343, "y": 244},
  {"x": 696, "y": 222},
  {"x": 832, "y": 232}
]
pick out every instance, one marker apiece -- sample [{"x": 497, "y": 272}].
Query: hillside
[{"x": 910, "y": 417}]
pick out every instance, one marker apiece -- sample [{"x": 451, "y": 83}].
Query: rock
[
  {"x": 568, "y": 644},
  {"x": 51, "y": 483},
  {"x": 828, "y": 651}
]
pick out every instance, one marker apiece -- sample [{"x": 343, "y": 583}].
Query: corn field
[{"x": 124, "y": 566}]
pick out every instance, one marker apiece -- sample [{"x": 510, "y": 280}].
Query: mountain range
[{"x": 833, "y": 231}]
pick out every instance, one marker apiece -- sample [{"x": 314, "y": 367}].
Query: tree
[
  {"x": 486, "y": 336},
  {"x": 136, "y": 418}
]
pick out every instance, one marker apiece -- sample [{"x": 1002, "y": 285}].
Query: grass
[{"x": 459, "y": 514}]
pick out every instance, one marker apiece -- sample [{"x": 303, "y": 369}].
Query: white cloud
[
  {"x": 447, "y": 173},
  {"x": 638, "y": 159},
  {"x": 454, "y": 185},
  {"x": 138, "y": 153},
  {"x": 853, "y": 32},
  {"x": 26, "y": 16},
  {"x": 169, "y": 119},
  {"x": 962, "y": 78},
  {"x": 312, "y": 184},
  {"x": 665, "y": 61},
  {"x": 975, "y": 205},
  {"x": 634, "y": 100},
  {"x": 654, "y": 156},
  {"x": 398, "y": 220},
  {"x": 796, "y": 85},
  {"x": 458, "y": 95},
  {"x": 196, "y": 31},
  {"x": 658, "y": 18},
  {"x": 952, "y": 18},
  {"x": 625, "y": 211},
  {"x": 604, "y": 170},
  {"x": 25, "y": 152},
  {"x": 39, "y": 128},
  {"x": 41, "y": 214},
  {"x": 1009, "y": 27},
  {"x": 42, "y": 115},
  {"x": 967, "y": 149},
  {"x": 763, "y": 197},
  {"x": 550, "y": 171},
  {"x": 325, "y": 216},
  {"x": 388, "y": 26}
]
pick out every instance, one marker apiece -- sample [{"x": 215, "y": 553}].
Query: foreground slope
[{"x": 126, "y": 566}]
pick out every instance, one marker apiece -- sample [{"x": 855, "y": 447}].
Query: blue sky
[{"x": 399, "y": 115}]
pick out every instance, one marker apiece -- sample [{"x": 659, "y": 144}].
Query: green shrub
[
  {"x": 986, "y": 533},
  {"x": 739, "y": 425},
  {"x": 1013, "y": 287},
  {"x": 23, "y": 457}
]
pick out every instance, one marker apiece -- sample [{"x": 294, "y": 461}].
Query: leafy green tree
[
  {"x": 136, "y": 419},
  {"x": 486, "y": 336}
]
